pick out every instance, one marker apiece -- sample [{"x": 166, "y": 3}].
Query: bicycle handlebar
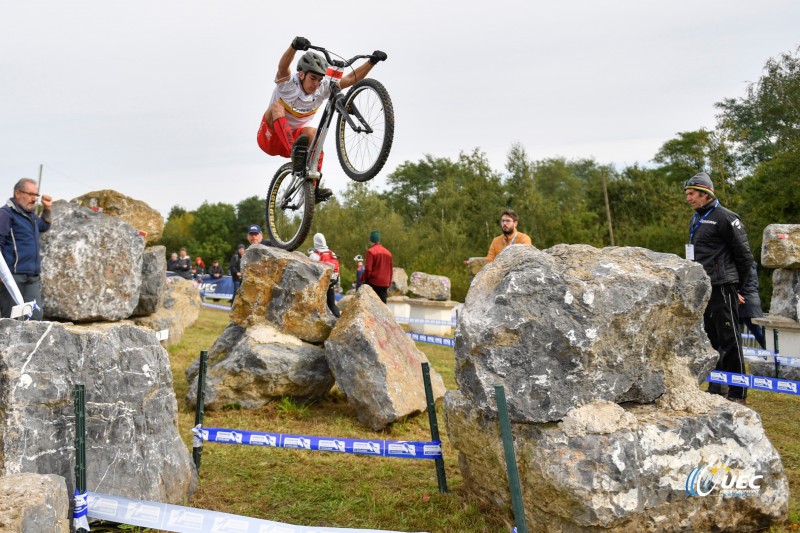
[{"x": 340, "y": 63}]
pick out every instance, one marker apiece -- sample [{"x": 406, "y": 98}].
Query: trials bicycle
[{"x": 364, "y": 133}]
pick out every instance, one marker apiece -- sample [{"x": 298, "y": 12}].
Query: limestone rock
[
  {"x": 135, "y": 212},
  {"x": 154, "y": 273},
  {"x": 626, "y": 473},
  {"x": 376, "y": 364},
  {"x": 399, "y": 286},
  {"x": 252, "y": 367},
  {"x": 91, "y": 266},
  {"x": 785, "y": 294},
  {"x": 429, "y": 286},
  {"x": 285, "y": 289},
  {"x": 180, "y": 309},
  {"x": 767, "y": 368},
  {"x": 133, "y": 446},
  {"x": 544, "y": 324},
  {"x": 34, "y": 503},
  {"x": 780, "y": 247}
]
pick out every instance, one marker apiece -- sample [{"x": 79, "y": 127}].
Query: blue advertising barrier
[
  {"x": 785, "y": 386},
  {"x": 377, "y": 448},
  {"x": 216, "y": 288}
]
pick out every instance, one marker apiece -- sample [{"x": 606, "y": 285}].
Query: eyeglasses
[{"x": 31, "y": 194}]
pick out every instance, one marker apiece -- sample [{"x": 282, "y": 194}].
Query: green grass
[{"x": 337, "y": 490}]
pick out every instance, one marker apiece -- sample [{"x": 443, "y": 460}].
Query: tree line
[{"x": 437, "y": 212}]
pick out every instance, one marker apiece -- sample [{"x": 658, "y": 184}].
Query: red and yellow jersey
[{"x": 300, "y": 107}]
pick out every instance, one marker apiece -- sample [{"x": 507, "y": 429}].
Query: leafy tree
[
  {"x": 696, "y": 151},
  {"x": 249, "y": 211},
  {"x": 766, "y": 121},
  {"x": 412, "y": 185},
  {"x": 177, "y": 231},
  {"x": 213, "y": 230}
]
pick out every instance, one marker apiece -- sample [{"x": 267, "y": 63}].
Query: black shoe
[
  {"x": 322, "y": 194},
  {"x": 299, "y": 154}
]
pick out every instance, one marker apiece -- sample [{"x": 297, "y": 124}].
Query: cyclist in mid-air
[{"x": 284, "y": 128}]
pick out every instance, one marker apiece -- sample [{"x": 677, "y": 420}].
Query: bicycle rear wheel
[
  {"x": 290, "y": 208},
  {"x": 363, "y": 151}
]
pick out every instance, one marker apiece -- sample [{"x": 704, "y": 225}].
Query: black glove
[
  {"x": 301, "y": 43},
  {"x": 377, "y": 56}
]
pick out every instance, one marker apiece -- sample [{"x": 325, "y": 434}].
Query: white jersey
[{"x": 300, "y": 107}]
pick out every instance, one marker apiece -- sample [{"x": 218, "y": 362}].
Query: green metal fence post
[
  {"x": 511, "y": 460},
  {"x": 426, "y": 378},
  {"x": 79, "y": 400},
  {"x": 197, "y": 452},
  {"x": 775, "y": 342}
]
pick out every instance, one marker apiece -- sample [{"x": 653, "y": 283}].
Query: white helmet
[{"x": 358, "y": 258}]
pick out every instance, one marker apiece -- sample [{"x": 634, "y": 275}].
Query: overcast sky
[{"x": 161, "y": 100}]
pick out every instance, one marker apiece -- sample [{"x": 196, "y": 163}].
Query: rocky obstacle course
[
  {"x": 781, "y": 250},
  {"x": 134, "y": 212},
  {"x": 133, "y": 446},
  {"x": 600, "y": 353},
  {"x": 250, "y": 367},
  {"x": 274, "y": 346},
  {"x": 376, "y": 364},
  {"x": 91, "y": 266},
  {"x": 34, "y": 503},
  {"x": 285, "y": 289}
]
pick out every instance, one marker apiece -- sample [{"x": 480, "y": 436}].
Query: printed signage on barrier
[{"x": 705, "y": 479}]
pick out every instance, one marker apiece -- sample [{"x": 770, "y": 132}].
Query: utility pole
[{"x": 608, "y": 207}]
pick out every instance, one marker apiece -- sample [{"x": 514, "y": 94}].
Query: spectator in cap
[
  {"x": 254, "y": 235},
  {"x": 378, "y": 267},
  {"x": 718, "y": 241},
  {"x": 236, "y": 270}
]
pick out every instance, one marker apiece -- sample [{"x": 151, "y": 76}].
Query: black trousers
[
  {"x": 721, "y": 322},
  {"x": 331, "y": 295},
  {"x": 380, "y": 291}
]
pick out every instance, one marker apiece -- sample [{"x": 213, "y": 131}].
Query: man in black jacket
[
  {"x": 718, "y": 241},
  {"x": 236, "y": 270}
]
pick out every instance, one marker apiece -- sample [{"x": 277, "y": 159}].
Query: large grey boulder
[
  {"x": 376, "y": 364},
  {"x": 576, "y": 324},
  {"x": 34, "y": 503},
  {"x": 780, "y": 247},
  {"x": 133, "y": 448},
  {"x": 154, "y": 277},
  {"x": 614, "y": 469},
  {"x": 285, "y": 289},
  {"x": 429, "y": 286},
  {"x": 399, "y": 286},
  {"x": 91, "y": 266},
  {"x": 785, "y": 293},
  {"x": 179, "y": 309},
  {"x": 135, "y": 212},
  {"x": 251, "y": 367},
  {"x": 600, "y": 353}
]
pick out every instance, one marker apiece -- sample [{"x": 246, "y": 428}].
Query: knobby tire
[
  {"x": 362, "y": 155},
  {"x": 284, "y": 230}
]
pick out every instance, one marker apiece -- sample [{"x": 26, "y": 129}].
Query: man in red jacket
[{"x": 378, "y": 268}]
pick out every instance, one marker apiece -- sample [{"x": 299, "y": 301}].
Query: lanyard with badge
[{"x": 693, "y": 227}]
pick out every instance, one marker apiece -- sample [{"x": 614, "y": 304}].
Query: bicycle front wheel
[
  {"x": 290, "y": 208},
  {"x": 363, "y": 150}
]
